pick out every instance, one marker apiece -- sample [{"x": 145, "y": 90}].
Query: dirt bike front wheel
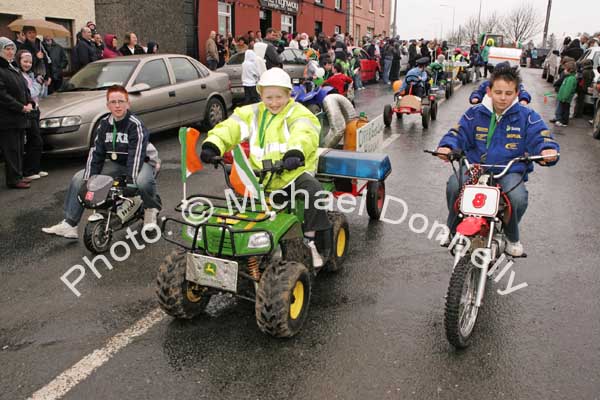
[
  {"x": 96, "y": 238},
  {"x": 461, "y": 311}
]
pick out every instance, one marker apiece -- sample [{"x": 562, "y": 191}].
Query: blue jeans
[
  {"x": 357, "y": 81},
  {"x": 518, "y": 198},
  {"x": 145, "y": 183},
  {"x": 387, "y": 67}
]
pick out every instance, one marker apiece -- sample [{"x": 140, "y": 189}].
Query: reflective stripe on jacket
[{"x": 293, "y": 128}]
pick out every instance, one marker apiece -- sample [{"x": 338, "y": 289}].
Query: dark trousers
[
  {"x": 250, "y": 95},
  {"x": 212, "y": 64},
  {"x": 55, "y": 85},
  {"x": 485, "y": 69},
  {"x": 315, "y": 219},
  {"x": 33, "y": 146},
  {"x": 562, "y": 112},
  {"x": 11, "y": 143}
]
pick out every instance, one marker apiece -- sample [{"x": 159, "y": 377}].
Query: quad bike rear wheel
[
  {"x": 375, "y": 198},
  {"x": 282, "y": 298},
  {"x": 177, "y": 296},
  {"x": 341, "y": 237},
  {"x": 434, "y": 110},
  {"x": 387, "y": 115},
  {"x": 96, "y": 238},
  {"x": 461, "y": 312}
]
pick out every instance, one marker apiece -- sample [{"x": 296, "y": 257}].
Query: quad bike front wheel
[
  {"x": 282, "y": 298},
  {"x": 177, "y": 296},
  {"x": 375, "y": 198},
  {"x": 341, "y": 237},
  {"x": 387, "y": 115},
  {"x": 461, "y": 311},
  {"x": 96, "y": 238}
]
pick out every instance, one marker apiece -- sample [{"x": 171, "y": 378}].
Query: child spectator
[
  {"x": 339, "y": 80},
  {"x": 355, "y": 69},
  {"x": 252, "y": 69},
  {"x": 38, "y": 88},
  {"x": 565, "y": 95}
]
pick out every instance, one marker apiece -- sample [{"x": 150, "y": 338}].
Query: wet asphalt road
[{"x": 375, "y": 329}]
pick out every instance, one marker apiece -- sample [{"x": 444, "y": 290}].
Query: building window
[
  {"x": 381, "y": 7},
  {"x": 338, "y": 4},
  {"x": 318, "y": 27},
  {"x": 224, "y": 18},
  {"x": 359, "y": 3},
  {"x": 287, "y": 23},
  {"x": 357, "y": 33},
  {"x": 319, "y": 2},
  {"x": 371, "y": 6},
  {"x": 338, "y": 29},
  {"x": 371, "y": 33}
]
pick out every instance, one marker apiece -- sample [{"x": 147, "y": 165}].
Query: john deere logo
[{"x": 210, "y": 269}]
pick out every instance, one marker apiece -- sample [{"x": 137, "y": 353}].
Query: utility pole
[
  {"x": 546, "y": 25},
  {"x": 479, "y": 19},
  {"x": 394, "y": 18}
]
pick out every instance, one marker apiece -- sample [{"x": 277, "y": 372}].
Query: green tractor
[{"x": 259, "y": 256}]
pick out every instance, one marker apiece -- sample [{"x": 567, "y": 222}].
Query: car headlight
[
  {"x": 50, "y": 123},
  {"x": 259, "y": 240},
  {"x": 74, "y": 120},
  {"x": 191, "y": 230},
  {"x": 71, "y": 121}
]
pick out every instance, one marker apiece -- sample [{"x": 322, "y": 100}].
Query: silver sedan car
[{"x": 166, "y": 91}]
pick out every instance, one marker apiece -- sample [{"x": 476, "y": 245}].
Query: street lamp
[{"x": 453, "y": 13}]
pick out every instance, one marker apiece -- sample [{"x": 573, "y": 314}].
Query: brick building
[
  {"x": 370, "y": 17},
  {"x": 239, "y": 17}
]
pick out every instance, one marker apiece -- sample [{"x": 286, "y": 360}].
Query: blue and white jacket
[
  {"x": 131, "y": 141},
  {"x": 480, "y": 92},
  {"x": 415, "y": 72},
  {"x": 519, "y": 130}
]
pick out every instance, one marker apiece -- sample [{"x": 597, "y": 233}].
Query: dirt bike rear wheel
[
  {"x": 461, "y": 313},
  {"x": 95, "y": 237}
]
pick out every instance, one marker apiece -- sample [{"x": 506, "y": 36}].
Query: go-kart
[
  {"x": 405, "y": 104},
  {"x": 257, "y": 255},
  {"x": 439, "y": 82}
]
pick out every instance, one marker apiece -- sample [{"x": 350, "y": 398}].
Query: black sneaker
[{"x": 553, "y": 120}]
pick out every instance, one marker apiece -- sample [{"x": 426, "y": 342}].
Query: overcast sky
[{"x": 425, "y": 18}]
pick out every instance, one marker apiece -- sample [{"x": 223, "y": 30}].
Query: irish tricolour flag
[
  {"x": 242, "y": 178},
  {"x": 190, "y": 162}
]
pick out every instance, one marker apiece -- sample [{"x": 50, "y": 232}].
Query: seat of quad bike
[{"x": 352, "y": 164}]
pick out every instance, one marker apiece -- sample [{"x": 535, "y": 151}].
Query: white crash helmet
[{"x": 274, "y": 77}]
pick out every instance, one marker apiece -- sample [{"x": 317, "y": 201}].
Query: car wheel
[{"x": 215, "y": 113}]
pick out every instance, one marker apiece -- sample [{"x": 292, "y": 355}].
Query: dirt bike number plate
[
  {"x": 480, "y": 200},
  {"x": 212, "y": 272}
]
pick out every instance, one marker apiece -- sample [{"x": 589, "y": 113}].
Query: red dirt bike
[{"x": 483, "y": 209}]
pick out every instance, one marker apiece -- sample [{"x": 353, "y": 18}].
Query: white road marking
[
  {"x": 70, "y": 378},
  {"x": 66, "y": 381}
]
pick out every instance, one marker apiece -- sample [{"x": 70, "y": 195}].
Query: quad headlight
[
  {"x": 74, "y": 120},
  {"x": 259, "y": 240}
]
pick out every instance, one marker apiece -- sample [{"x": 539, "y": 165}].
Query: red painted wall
[{"x": 207, "y": 21}]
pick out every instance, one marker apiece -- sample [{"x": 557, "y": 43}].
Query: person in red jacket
[
  {"x": 110, "y": 46},
  {"x": 339, "y": 80}
]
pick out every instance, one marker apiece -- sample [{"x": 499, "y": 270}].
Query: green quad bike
[{"x": 257, "y": 256}]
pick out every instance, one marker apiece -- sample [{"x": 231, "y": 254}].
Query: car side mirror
[{"x": 139, "y": 88}]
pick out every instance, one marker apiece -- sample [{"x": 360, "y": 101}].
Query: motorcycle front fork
[{"x": 489, "y": 257}]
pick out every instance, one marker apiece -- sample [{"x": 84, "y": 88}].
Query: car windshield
[{"x": 98, "y": 76}]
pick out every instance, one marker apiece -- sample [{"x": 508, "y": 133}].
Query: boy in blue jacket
[
  {"x": 494, "y": 132},
  {"x": 478, "y": 94}
]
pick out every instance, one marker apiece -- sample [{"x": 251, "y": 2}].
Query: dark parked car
[{"x": 294, "y": 63}]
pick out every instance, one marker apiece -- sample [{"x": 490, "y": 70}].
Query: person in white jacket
[{"x": 252, "y": 68}]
